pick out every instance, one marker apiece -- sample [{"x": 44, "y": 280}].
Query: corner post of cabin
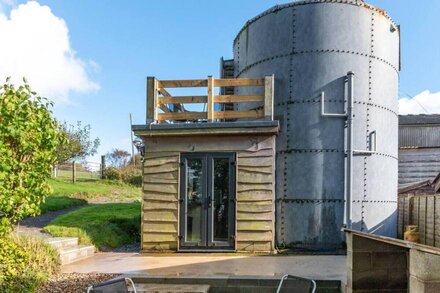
[
  {"x": 210, "y": 99},
  {"x": 151, "y": 99},
  {"x": 268, "y": 97}
]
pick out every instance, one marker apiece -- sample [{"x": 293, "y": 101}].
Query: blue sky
[{"x": 119, "y": 43}]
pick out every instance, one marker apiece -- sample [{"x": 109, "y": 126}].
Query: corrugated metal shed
[
  {"x": 419, "y": 148},
  {"x": 419, "y": 131}
]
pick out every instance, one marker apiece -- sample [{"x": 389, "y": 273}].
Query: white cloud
[
  {"x": 424, "y": 103},
  {"x": 35, "y": 44}
]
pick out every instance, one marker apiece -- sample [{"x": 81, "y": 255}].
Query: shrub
[
  {"x": 26, "y": 263},
  {"x": 29, "y": 138},
  {"x": 112, "y": 173},
  {"x": 132, "y": 175}
]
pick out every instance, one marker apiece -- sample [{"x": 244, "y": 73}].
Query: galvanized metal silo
[{"x": 310, "y": 46}]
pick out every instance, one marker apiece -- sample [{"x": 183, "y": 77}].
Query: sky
[{"x": 92, "y": 57}]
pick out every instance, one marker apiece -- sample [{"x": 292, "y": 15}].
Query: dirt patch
[{"x": 74, "y": 282}]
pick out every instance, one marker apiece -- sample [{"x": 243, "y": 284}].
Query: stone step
[
  {"x": 72, "y": 254},
  {"x": 170, "y": 288},
  {"x": 61, "y": 243}
]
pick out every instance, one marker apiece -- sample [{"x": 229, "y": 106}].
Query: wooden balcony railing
[{"x": 159, "y": 99}]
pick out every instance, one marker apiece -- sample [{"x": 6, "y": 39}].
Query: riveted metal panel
[{"x": 310, "y": 46}]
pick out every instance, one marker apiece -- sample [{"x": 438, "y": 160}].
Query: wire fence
[{"x": 76, "y": 170}]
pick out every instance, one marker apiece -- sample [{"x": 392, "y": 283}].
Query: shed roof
[{"x": 421, "y": 119}]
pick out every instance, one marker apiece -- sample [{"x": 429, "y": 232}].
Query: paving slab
[{"x": 319, "y": 267}]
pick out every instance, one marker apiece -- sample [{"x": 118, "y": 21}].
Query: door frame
[{"x": 207, "y": 242}]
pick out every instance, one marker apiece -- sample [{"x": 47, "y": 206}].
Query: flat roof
[{"x": 207, "y": 128}]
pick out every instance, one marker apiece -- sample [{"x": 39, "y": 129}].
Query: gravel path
[
  {"x": 34, "y": 225},
  {"x": 74, "y": 282}
]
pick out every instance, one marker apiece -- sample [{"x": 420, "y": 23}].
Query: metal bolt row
[
  {"x": 277, "y": 8},
  {"x": 317, "y": 51}
]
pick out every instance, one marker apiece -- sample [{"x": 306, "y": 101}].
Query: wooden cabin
[{"x": 208, "y": 169}]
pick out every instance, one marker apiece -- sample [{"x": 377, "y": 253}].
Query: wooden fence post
[
  {"x": 73, "y": 172},
  {"x": 151, "y": 99},
  {"x": 102, "y": 166},
  {"x": 210, "y": 100},
  {"x": 268, "y": 97}
]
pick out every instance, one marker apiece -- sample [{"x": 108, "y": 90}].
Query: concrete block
[
  {"x": 61, "y": 243},
  {"x": 419, "y": 286},
  {"x": 70, "y": 255},
  {"x": 424, "y": 266},
  {"x": 388, "y": 260}
]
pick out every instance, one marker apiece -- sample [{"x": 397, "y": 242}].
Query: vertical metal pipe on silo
[{"x": 349, "y": 183}]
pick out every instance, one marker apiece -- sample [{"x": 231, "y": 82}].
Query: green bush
[
  {"x": 26, "y": 263},
  {"x": 132, "y": 175},
  {"x": 129, "y": 174},
  {"x": 112, "y": 173}
]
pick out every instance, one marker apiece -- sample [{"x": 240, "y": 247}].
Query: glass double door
[{"x": 207, "y": 201}]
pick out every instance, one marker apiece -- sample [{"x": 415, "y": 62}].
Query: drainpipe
[{"x": 349, "y": 183}]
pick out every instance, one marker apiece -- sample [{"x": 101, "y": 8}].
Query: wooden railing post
[
  {"x": 151, "y": 99},
  {"x": 268, "y": 97},
  {"x": 210, "y": 100}
]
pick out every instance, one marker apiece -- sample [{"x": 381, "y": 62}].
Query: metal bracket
[{"x": 333, "y": 115}]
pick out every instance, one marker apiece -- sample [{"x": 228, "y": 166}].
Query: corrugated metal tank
[{"x": 310, "y": 46}]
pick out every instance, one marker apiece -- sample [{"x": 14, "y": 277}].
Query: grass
[
  {"x": 104, "y": 225},
  {"x": 89, "y": 188},
  {"x": 55, "y": 203}
]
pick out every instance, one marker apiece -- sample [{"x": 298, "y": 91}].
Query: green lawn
[
  {"x": 55, "y": 203},
  {"x": 103, "y": 225},
  {"x": 90, "y": 188}
]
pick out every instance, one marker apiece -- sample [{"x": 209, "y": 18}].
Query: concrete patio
[{"x": 318, "y": 267}]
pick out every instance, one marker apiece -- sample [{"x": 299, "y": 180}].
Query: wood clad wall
[
  {"x": 255, "y": 200},
  {"x": 160, "y": 201},
  {"x": 255, "y": 194},
  {"x": 423, "y": 211}
]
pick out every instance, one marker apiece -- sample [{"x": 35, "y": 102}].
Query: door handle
[{"x": 209, "y": 202}]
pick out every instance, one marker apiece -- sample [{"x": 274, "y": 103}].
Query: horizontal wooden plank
[
  {"x": 160, "y": 188},
  {"x": 252, "y": 246},
  {"x": 160, "y": 197},
  {"x": 183, "y": 100},
  {"x": 239, "y": 82},
  {"x": 183, "y": 83},
  {"x": 160, "y": 154},
  {"x": 161, "y": 216},
  {"x": 159, "y": 237},
  {"x": 182, "y": 116},
  {"x": 170, "y": 167},
  {"x": 257, "y": 169},
  {"x": 255, "y": 161},
  {"x": 150, "y": 205},
  {"x": 163, "y": 246},
  {"x": 238, "y": 114},
  {"x": 255, "y": 207},
  {"x": 255, "y": 226},
  {"x": 155, "y": 180},
  {"x": 162, "y": 176},
  {"x": 254, "y": 187},
  {"x": 214, "y": 143},
  {"x": 242, "y": 216},
  {"x": 254, "y": 236},
  {"x": 152, "y": 162},
  {"x": 268, "y": 152},
  {"x": 238, "y": 98},
  {"x": 253, "y": 177},
  {"x": 264, "y": 195},
  {"x": 162, "y": 227}
]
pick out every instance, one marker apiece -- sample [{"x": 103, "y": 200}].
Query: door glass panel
[
  {"x": 221, "y": 197},
  {"x": 194, "y": 200}
]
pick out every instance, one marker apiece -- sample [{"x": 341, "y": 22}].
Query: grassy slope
[
  {"x": 55, "y": 203},
  {"x": 84, "y": 188},
  {"x": 104, "y": 225}
]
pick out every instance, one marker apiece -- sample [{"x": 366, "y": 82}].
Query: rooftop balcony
[{"x": 162, "y": 107}]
